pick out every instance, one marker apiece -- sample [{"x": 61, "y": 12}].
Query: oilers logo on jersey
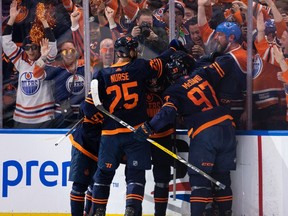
[
  {"x": 257, "y": 66},
  {"x": 76, "y": 85},
  {"x": 154, "y": 103},
  {"x": 28, "y": 84}
]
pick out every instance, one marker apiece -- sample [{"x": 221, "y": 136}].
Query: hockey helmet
[
  {"x": 229, "y": 28},
  {"x": 125, "y": 45},
  {"x": 177, "y": 67}
]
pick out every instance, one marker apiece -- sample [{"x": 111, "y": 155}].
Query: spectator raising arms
[
  {"x": 283, "y": 62},
  {"x": 68, "y": 77},
  {"x": 34, "y": 100},
  {"x": 97, "y": 34},
  {"x": 282, "y": 58},
  {"x": 268, "y": 92}
]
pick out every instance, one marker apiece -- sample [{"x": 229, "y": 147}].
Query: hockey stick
[
  {"x": 69, "y": 132},
  {"x": 99, "y": 106}
]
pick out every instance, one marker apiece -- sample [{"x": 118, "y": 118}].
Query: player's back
[
  {"x": 196, "y": 101},
  {"x": 122, "y": 90}
]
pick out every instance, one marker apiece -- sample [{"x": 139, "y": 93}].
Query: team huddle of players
[{"x": 190, "y": 90}]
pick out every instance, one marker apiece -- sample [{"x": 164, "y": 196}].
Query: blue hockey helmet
[
  {"x": 270, "y": 26},
  {"x": 125, "y": 45},
  {"x": 230, "y": 28}
]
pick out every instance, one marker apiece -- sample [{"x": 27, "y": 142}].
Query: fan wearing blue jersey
[
  {"x": 68, "y": 75},
  {"x": 122, "y": 93},
  {"x": 210, "y": 129}
]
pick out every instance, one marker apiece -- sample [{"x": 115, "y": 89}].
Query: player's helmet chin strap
[{"x": 120, "y": 54}]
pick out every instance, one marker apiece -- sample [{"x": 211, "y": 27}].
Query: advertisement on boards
[{"x": 34, "y": 176}]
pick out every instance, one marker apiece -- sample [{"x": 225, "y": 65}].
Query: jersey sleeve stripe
[
  {"x": 218, "y": 69},
  {"x": 169, "y": 104},
  {"x": 14, "y": 54}
]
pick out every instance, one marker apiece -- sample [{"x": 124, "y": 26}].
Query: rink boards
[{"x": 34, "y": 173}]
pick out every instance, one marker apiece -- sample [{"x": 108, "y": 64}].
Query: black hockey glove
[
  {"x": 184, "y": 58},
  {"x": 143, "y": 132}
]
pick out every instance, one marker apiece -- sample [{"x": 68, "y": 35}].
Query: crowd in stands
[
  {"x": 43, "y": 53},
  {"x": 44, "y": 74}
]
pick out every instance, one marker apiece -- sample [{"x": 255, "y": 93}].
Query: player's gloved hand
[
  {"x": 177, "y": 45},
  {"x": 143, "y": 132},
  {"x": 184, "y": 58}
]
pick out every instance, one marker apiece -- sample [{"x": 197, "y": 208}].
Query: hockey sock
[
  {"x": 135, "y": 189},
  {"x": 223, "y": 198},
  {"x": 77, "y": 199},
  {"x": 88, "y": 199},
  {"x": 201, "y": 194},
  {"x": 162, "y": 175},
  {"x": 101, "y": 189},
  {"x": 161, "y": 192}
]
